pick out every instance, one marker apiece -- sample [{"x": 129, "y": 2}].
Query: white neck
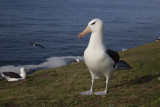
[
  {"x": 96, "y": 41},
  {"x": 23, "y": 74}
]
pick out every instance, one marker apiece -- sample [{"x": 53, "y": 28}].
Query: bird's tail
[{"x": 122, "y": 65}]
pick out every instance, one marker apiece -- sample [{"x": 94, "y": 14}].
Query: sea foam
[{"x": 51, "y": 62}]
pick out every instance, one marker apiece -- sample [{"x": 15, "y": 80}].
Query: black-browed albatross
[
  {"x": 99, "y": 61},
  {"x": 12, "y": 76}
]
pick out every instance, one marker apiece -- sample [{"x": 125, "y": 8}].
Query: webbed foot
[
  {"x": 86, "y": 93},
  {"x": 101, "y": 93}
]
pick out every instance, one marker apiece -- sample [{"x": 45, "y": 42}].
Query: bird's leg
[
  {"x": 90, "y": 91},
  {"x": 105, "y": 91}
]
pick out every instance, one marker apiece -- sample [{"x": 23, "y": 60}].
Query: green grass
[{"x": 60, "y": 87}]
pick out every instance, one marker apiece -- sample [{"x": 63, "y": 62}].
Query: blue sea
[{"x": 55, "y": 24}]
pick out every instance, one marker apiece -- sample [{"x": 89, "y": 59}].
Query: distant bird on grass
[
  {"x": 75, "y": 61},
  {"x": 36, "y": 44},
  {"x": 12, "y": 76}
]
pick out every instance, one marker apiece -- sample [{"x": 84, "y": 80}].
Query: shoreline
[
  {"x": 49, "y": 63},
  {"x": 61, "y": 86}
]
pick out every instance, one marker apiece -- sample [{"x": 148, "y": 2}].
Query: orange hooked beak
[{"x": 86, "y": 31}]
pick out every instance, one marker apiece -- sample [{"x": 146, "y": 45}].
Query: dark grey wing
[
  {"x": 40, "y": 46},
  {"x": 122, "y": 65},
  {"x": 114, "y": 55},
  {"x": 12, "y": 74}
]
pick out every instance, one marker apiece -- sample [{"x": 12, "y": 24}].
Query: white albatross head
[
  {"x": 22, "y": 70},
  {"x": 95, "y": 25},
  {"x": 23, "y": 73}
]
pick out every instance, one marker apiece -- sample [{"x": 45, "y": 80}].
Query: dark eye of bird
[{"x": 93, "y": 23}]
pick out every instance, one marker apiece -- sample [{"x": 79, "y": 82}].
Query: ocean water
[{"x": 56, "y": 23}]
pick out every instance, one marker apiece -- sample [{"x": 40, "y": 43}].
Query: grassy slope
[{"x": 61, "y": 86}]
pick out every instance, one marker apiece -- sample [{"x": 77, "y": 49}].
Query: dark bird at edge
[{"x": 36, "y": 44}]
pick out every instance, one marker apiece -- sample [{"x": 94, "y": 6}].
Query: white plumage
[
  {"x": 12, "y": 76},
  {"x": 96, "y": 59}
]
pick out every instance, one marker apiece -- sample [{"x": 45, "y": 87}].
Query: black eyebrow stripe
[{"x": 93, "y": 23}]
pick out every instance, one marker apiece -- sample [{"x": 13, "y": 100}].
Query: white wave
[{"x": 52, "y": 62}]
